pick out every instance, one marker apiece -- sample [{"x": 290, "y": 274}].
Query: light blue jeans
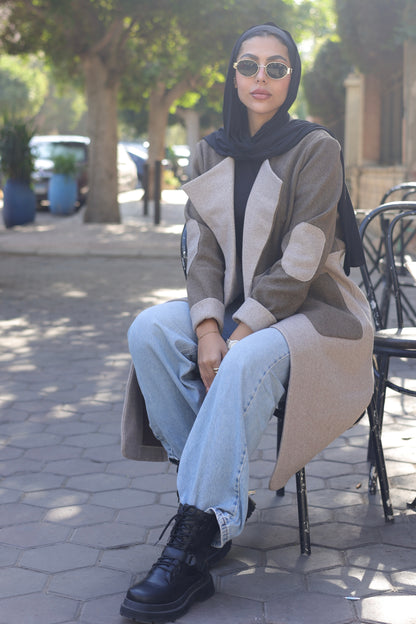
[{"x": 211, "y": 434}]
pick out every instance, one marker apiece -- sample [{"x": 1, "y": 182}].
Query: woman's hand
[{"x": 211, "y": 350}]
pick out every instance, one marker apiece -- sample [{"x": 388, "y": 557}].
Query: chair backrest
[
  {"x": 401, "y": 223},
  {"x": 404, "y": 188},
  {"x": 377, "y": 272}
]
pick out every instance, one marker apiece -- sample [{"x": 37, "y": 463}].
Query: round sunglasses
[{"x": 275, "y": 69}]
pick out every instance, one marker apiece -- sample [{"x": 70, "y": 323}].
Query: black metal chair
[
  {"x": 374, "y": 228},
  {"x": 301, "y": 489},
  {"x": 398, "y": 341},
  {"x": 405, "y": 189}
]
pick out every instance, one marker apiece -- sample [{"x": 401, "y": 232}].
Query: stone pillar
[
  {"x": 371, "y": 120},
  {"x": 354, "y": 109},
  {"x": 353, "y": 139},
  {"x": 409, "y": 120}
]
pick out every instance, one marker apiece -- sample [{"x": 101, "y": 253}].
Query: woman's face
[{"x": 260, "y": 94}]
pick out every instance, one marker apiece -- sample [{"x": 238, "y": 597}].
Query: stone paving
[{"x": 79, "y": 524}]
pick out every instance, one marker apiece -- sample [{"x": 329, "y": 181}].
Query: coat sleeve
[
  {"x": 282, "y": 287},
  {"x": 205, "y": 264}
]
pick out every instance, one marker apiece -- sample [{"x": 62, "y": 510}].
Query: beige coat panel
[{"x": 331, "y": 379}]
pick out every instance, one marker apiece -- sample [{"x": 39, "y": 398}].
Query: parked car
[
  {"x": 178, "y": 159},
  {"x": 138, "y": 154},
  {"x": 127, "y": 172},
  {"x": 46, "y": 147}
]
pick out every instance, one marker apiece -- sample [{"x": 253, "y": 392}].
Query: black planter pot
[{"x": 19, "y": 204}]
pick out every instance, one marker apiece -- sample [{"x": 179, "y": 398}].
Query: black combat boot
[{"x": 180, "y": 576}]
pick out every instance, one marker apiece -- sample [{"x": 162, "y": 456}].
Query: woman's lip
[{"x": 260, "y": 94}]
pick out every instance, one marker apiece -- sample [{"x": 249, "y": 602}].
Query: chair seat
[{"x": 401, "y": 342}]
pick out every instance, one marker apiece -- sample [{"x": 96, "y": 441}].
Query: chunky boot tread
[{"x": 168, "y": 612}]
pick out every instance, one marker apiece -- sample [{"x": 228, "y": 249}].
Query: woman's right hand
[{"x": 211, "y": 351}]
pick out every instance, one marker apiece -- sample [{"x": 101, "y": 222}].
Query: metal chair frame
[
  {"x": 376, "y": 254},
  {"x": 398, "y": 341}
]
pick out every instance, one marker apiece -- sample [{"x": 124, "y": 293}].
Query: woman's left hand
[{"x": 211, "y": 350}]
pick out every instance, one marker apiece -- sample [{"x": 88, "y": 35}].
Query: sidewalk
[
  {"x": 78, "y": 523},
  {"x": 136, "y": 236}
]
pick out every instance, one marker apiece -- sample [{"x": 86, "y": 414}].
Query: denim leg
[
  {"x": 163, "y": 347},
  {"x": 214, "y": 468}
]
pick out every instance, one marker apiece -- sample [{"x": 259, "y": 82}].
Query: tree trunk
[
  {"x": 191, "y": 119},
  {"x": 101, "y": 90},
  {"x": 160, "y": 101},
  {"x": 158, "y": 121}
]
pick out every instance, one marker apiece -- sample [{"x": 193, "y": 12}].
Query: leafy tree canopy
[
  {"x": 371, "y": 32},
  {"x": 324, "y": 86},
  {"x": 23, "y": 87}
]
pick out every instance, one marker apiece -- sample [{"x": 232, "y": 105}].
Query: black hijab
[{"x": 278, "y": 135}]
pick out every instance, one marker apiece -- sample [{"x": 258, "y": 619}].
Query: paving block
[
  {"x": 309, "y": 608},
  {"x": 79, "y": 515},
  {"x": 37, "y": 609},
  {"x": 16, "y": 582},
  {"x": 289, "y": 558},
  {"x": 261, "y": 583},
  {"x": 97, "y": 482},
  {"x": 393, "y": 609},
  {"x": 18, "y": 513},
  {"x": 109, "y": 535},
  {"x": 349, "y": 581},
  {"x": 124, "y": 498},
  {"x": 59, "y": 557},
  {"x": 56, "y": 498},
  {"x": 33, "y": 534},
  {"x": 88, "y": 583}
]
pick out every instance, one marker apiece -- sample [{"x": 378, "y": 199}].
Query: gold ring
[{"x": 216, "y": 370}]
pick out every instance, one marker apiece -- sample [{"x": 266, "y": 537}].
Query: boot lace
[{"x": 180, "y": 537}]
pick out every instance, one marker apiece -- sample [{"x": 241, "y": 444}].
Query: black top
[{"x": 245, "y": 174}]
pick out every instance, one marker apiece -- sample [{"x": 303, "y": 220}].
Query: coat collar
[{"x": 212, "y": 194}]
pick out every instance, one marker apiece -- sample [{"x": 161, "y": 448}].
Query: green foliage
[
  {"x": 23, "y": 87},
  {"x": 64, "y": 164},
  {"x": 16, "y": 156},
  {"x": 408, "y": 28},
  {"x": 370, "y": 33},
  {"x": 324, "y": 86}
]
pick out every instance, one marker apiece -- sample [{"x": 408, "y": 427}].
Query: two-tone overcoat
[{"x": 292, "y": 276}]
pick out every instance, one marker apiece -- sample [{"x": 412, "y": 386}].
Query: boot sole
[{"x": 169, "y": 612}]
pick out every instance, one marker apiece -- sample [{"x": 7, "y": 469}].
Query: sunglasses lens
[
  {"x": 277, "y": 70},
  {"x": 247, "y": 68}
]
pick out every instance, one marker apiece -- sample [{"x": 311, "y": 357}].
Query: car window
[{"x": 50, "y": 150}]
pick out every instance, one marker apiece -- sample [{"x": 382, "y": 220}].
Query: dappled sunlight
[
  {"x": 64, "y": 513},
  {"x": 162, "y": 295},
  {"x": 75, "y": 293}
]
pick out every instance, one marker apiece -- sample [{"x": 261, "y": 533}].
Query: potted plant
[
  {"x": 19, "y": 202},
  {"x": 62, "y": 190}
]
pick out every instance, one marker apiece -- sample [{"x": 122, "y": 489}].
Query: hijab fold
[{"x": 278, "y": 135}]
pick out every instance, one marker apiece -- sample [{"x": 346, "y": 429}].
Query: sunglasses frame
[{"x": 289, "y": 69}]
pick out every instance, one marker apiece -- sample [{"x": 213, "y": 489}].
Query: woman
[{"x": 270, "y": 315}]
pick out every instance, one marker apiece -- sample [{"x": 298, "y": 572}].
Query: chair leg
[
  {"x": 304, "y": 528},
  {"x": 280, "y": 492},
  {"x": 303, "y": 517},
  {"x": 380, "y": 462},
  {"x": 378, "y": 400}
]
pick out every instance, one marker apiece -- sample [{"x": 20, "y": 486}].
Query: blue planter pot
[
  {"x": 19, "y": 204},
  {"x": 62, "y": 194}
]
